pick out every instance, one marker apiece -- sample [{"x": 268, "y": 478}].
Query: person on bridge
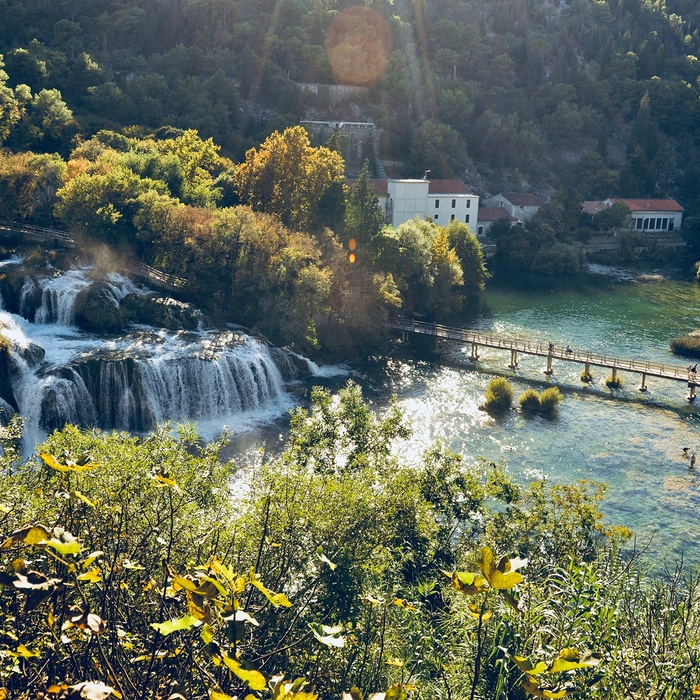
[
  {"x": 568, "y": 348},
  {"x": 551, "y": 346}
]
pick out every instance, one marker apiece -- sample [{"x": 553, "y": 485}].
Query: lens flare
[
  {"x": 352, "y": 244},
  {"x": 358, "y": 45},
  {"x": 352, "y": 257}
]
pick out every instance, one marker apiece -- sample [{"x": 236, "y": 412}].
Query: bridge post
[
  {"x": 614, "y": 374},
  {"x": 643, "y": 387},
  {"x": 692, "y": 386},
  {"x": 475, "y": 352},
  {"x": 549, "y": 369},
  {"x": 513, "y": 359}
]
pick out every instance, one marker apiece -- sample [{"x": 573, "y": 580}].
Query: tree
[
  {"x": 471, "y": 257},
  {"x": 447, "y": 278},
  {"x": 438, "y": 148},
  {"x": 10, "y": 111},
  {"x": 364, "y": 217},
  {"x": 286, "y": 176},
  {"x": 614, "y": 216}
]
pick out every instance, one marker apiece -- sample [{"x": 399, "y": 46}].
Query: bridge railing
[{"x": 528, "y": 346}]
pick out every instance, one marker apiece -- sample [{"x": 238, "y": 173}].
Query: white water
[{"x": 137, "y": 380}]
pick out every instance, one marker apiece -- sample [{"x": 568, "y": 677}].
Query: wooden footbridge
[
  {"x": 551, "y": 351},
  {"x": 60, "y": 237}
]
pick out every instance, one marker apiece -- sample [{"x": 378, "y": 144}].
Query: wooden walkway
[
  {"x": 61, "y": 237},
  {"x": 524, "y": 346}
]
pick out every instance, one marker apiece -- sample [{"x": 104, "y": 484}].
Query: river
[{"x": 631, "y": 441}]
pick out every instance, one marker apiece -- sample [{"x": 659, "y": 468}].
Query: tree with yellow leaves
[{"x": 288, "y": 177}]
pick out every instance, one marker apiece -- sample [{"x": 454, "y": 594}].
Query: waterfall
[{"x": 58, "y": 374}]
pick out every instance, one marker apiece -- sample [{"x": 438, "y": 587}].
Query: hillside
[{"x": 600, "y": 95}]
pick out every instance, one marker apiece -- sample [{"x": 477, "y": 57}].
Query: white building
[
  {"x": 522, "y": 206},
  {"x": 441, "y": 201},
  {"x": 648, "y": 215}
]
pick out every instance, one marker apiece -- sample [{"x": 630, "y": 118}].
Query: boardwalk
[
  {"x": 517, "y": 346},
  {"x": 60, "y": 237}
]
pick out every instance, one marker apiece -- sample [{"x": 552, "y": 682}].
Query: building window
[
  {"x": 658, "y": 223},
  {"x": 436, "y": 216},
  {"x": 639, "y": 224},
  {"x": 466, "y": 219},
  {"x": 437, "y": 203},
  {"x": 671, "y": 223},
  {"x": 480, "y": 230},
  {"x": 645, "y": 225},
  {"x": 469, "y": 203},
  {"x": 454, "y": 203},
  {"x": 452, "y": 218},
  {"x": 664, "y": 225}
]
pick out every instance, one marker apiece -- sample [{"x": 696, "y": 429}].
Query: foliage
[
  {"x": 363, "y": 215},
  {"x": 286, "y": 176},
  {"x": 147, "y": 565},
  {"x": 499, "y": 395},
  {"x": 530, "y": 401},
  {"x": 688, "y": 345},
  {"x": 613, "y": 382},
  {"x": 471, "y": 257}
]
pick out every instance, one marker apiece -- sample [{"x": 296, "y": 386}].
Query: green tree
[
  {"x": 471, "y": 257},
  {"x": 364, "y": 217}
]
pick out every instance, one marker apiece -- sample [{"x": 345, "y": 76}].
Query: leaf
[
  {"x": 175, "y": 625},
  {"x": 391, "y": 661},
  {"x": 218, "y": 695},
  {"x": 499, "y": 575},
  {"x": 71, "y": 466},
  {"x": 534, "y": 689},
  {"x": 570, "y": 659},
  {"x": 276, "y": 599},
  {"x": 25, "y": 653},
  {"x": 90, "y": 558},
  {"x": 243, "y": 616},
  {"x": 164, "y": 480},
  {"x": 82, "y": 497},
  {"x": 354, "y": 694},
  {"x": 92, "y": 575},
  {"x": 4, "y": 509},
  {"x": 325, "y": 559},
  {"x": 468, "y": 583},
  {"x": 328, "y": 635},
  {"x": 371, "y": 599},
  {"x": 484, "y": 618},
  {"x": 72, "y": 547},
  {"x": 254, "y": 679},
  {"x": 91, "y": 690},
  {"x": 395, "y": 692},
  {"x": 404, "y": 604},
  {"x": 696, "y": 690},
  {"x": 32, "y": 534},
  {"x": 525, "y": 665}
]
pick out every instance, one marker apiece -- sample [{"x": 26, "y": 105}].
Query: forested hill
[{"x": 600, "y": 95}]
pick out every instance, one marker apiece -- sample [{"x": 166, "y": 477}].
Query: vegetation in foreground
[
  {"x": 148, "y": 568},
  {"x": 688, "y": 345}
]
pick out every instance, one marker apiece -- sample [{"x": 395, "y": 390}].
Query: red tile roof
[
  {"x": 493, "y": 214},
  {"x": 523, "y": 199},
  {"x": 651, "y": 204},
  {"x": 593, "y": 207},
  {"x": 447, "y": 187}
]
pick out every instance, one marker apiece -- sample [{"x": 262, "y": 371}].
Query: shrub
[
  {"x": 530, "y": 401},
  {"x": 613, "y": 382},
  {"x": 499, "y": 395},
  {"x": 550, "y": 399},
  {"x": 586, "y": 376}
]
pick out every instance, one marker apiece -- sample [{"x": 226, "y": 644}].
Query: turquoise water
[{"x": 629, "y": 440}]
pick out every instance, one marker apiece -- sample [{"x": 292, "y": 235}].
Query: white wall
[
  {"x": 409, "y": 198},
  {"x": 460, "y": 207}
]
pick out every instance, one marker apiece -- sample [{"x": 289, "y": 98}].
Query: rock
[
  {"x": 97, "y": 309},
  {"x": 161, "y": 312}
]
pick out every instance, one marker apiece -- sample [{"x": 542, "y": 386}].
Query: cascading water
[{"x": 60, "y": 374}]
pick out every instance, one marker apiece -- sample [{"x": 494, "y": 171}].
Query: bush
[
  {"x": 550, "y": 399},
  {"x": 499, "y": 395},
  {"x": 530, "y": 401},
  {"x": 586, "y": 376},
  {"x": 613, "y": 382}
]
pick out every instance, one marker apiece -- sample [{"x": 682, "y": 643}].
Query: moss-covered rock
[
  {"x": 688, "y": 345},
  {"x": 97, "y": 309},
  {"x": 161, "y": 312}
]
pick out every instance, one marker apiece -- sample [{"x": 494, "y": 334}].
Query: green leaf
[
  {"x": 325, "y": 559},
  {"x": 175, "y": 625},
  {"x": 570, "y": 659},
  {"x": 328, "y": 635},
  {"x": 468, "y": 582},
  {"x": 525, "y": 665},
  {"x": 276, "y": 599},
  {"x": 72, "y": 547},
  {"x": 254, "y": 679}
]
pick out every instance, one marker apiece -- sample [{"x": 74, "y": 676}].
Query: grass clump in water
[
  {"x": 586, "y": 376},
  {"x": 613, "y": 382},
  {"x": 530, "y": 401},
  {"x": 499, "y": 395},
  {"x": 545, "y": 403}
]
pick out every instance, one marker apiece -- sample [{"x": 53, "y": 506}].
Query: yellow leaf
[
  {"x": 499, "y": 575},
  {"x": 402, "y": 603},
  {"x": 71, "y": 466},
  {"x": 218, "y": 695},
  {"x": 391, "y": 661},
  {"x": 92, "y": 558},
  {"x": 696, "y": 690},
  {"x": 25, "y": 653},
  {"x": 254, "y": 679},
  {"x": 92, "y": 575},
  {"x": 33, "y": 534},
  {"x": 276, "y": 599},
  {"x": 4, "y": 509},
  {"x": 534, "y": 689},
  {"x": 484, "y": 618},
  {"x": 82, "y": 497},
  {"x": 468, "y": 582}
]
